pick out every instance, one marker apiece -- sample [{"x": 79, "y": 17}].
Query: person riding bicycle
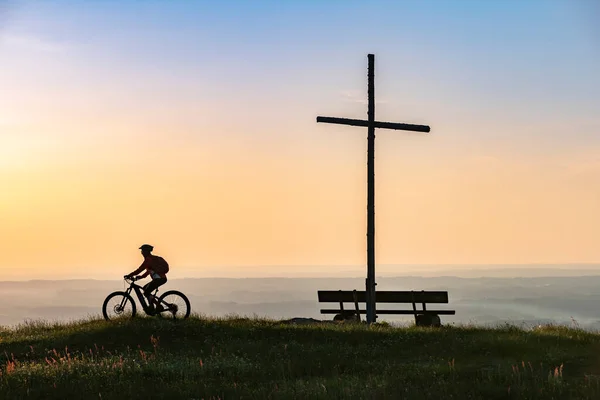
[{"x": 157, "y": 268}]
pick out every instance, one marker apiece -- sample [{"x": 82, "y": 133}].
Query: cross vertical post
[
  {"x": 371, "y": 124},
  {"x": 370, "y": 284}
]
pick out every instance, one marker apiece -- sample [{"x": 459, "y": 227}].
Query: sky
[{"x": 191, "y": 125}]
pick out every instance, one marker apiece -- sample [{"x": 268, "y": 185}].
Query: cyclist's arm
[
  {"x": 145, "y": 275},
  {"x": 137, "y": 271}
]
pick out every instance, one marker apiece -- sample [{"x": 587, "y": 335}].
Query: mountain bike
[{"x": 120, "y": 304}]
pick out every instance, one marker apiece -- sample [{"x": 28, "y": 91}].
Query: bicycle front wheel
[
  {"x": 118, "y": 305},
  {"x": 176, "y": 305}
]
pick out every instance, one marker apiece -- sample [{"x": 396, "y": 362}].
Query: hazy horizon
[{"x": 341, "y": 271}]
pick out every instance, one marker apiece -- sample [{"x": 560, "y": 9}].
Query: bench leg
[
  {"x": 428, "y": 320},
  {"x": 412, "y": 295},
  {"x": 356, "y": 306}
]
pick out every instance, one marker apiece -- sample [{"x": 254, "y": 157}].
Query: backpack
[{"x": 160, "y": 265}]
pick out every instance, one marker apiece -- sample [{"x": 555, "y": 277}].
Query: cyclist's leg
[
  {"x": 151, "y": 287},
  {"x": 148, "y": 289},
  {"x": 159, "y": 282},
  {"x": 145, "y": 291}
]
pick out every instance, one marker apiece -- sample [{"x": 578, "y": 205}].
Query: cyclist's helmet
[{"x": 146, "y": 247}]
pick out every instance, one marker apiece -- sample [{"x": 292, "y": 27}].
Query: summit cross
[{"x": 371, "y": 124}]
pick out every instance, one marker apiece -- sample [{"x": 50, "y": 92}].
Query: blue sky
[{"x": 532, "y": 57}]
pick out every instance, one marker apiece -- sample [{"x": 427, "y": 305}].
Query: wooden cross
[{"x": 371, "y": 124}]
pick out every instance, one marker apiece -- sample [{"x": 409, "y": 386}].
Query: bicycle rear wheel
[
  {"x": 176, "y": 305},
  {"x": 118, "y": 305}
]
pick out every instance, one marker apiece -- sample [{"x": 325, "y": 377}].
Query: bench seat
[{"x": 412, "y": 297}]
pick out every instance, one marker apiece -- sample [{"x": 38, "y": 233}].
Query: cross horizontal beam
[{"x": 378, "y": 124}]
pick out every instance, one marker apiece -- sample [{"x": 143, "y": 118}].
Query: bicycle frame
[{"x": 140, "y": 295}]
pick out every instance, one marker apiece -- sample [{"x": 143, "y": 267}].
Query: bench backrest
[{"x": 336, "y": 296}]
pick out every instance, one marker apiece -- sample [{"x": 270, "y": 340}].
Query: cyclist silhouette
[{"x": 157, "y": 268}]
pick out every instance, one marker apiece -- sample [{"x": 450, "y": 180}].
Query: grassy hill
[{"x": 261, "y": 359}]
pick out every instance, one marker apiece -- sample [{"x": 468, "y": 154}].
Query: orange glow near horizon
[{"x": 257, "y": 208}]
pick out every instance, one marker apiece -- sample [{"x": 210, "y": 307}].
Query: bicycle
[{"x": 177, "y": 307}]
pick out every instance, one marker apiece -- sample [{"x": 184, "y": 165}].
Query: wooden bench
[{"x": 422, "y": 316}]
